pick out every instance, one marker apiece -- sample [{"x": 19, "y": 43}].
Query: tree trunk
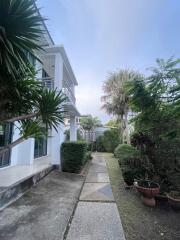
[
  {"x": 11, "y": 145},
  {"x": 127, "y": 129},
  {"x": 121, "y": 129},
  {"x": 22, "y": 117}
]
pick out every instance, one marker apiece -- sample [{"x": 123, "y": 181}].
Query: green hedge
[
  {"x": 87, "y": 156},
  {"x": 124, "y": 151},
  {"x": 73, "y": 156},
  {"x": 100, "y": 144},
  {"x": 130, "y": 161},
  {"x": 110, "y": 140}
]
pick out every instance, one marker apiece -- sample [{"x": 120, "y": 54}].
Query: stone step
[{"x": 16, "y": 190}]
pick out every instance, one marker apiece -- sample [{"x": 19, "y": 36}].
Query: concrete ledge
[{"x": 16, "y": 190}]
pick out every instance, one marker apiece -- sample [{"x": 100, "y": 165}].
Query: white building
[{"x": 31, "y": 155}]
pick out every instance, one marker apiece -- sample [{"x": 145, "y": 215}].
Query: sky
[{"x": 102, "y": 36}]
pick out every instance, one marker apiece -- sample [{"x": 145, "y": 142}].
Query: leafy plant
[
  {"x": 23, "y": 101},
  {"x": 156, "y": 102},
  {"x": 100, "y": 144},
  {"x": 116, "y": 99},
  {"x": 110, "y": 140},
  {"x": 73, "y": 155}
]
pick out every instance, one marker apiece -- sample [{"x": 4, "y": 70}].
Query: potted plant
[
  {"x": 128, "y": 176},
  {"x": 174, "y": 199},
  {"x": 148, "y": 189}
]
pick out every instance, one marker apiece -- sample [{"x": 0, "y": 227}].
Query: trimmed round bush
[
  {"x": 73, "y": 155},
  {"x": 126, "y": 151},
  {"x": 129, "y": 159}
]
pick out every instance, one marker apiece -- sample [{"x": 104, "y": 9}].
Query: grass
[{"x": 141, "y": 222}]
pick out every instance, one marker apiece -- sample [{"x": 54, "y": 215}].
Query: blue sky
[{"x": 101, "y": 36}]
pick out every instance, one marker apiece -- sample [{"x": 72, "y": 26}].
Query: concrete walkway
[
  {"x": 96, "y": 216},
  {"x": 43, "y": 213}
]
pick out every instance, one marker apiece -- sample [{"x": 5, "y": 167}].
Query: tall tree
[
  {"x": 89, "y": 123},
  {"x": 116, "y": 99}
]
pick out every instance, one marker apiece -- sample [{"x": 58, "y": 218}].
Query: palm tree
[
  {"x": 22, "y": 98},
  {"x": 89, "y": 123},
  {"x": 116, "y": 99}
]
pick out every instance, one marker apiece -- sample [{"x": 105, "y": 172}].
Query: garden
[
  {"x": 145, "y": 166},
  {"x": 149, "y": 156}
]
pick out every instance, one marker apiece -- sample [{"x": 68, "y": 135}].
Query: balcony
[
  {"x": 69, "y": 94},
  {"x": 49, "y": 83}
]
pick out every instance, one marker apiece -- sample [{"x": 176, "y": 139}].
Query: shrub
[
  {"x": 125, "y": 151},
  {"x": 91, "y": 146},
  {"x": 111, "y": 140},
  {"x": 132, "y": 163},
  {"x": 100, "y": 144},
  {"x": 73, "y": 154},
  {"x": 87, "y": 156}
]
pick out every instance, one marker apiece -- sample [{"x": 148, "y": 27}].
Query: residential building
[{"x": 54, "y": 72}]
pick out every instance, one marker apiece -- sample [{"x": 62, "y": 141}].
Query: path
[
  {"x": 44, "y": 211},
  {"x": 96, "y": 216}
]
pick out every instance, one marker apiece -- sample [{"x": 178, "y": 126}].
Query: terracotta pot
[
  {"x": 174, "y": 202},
  {"x": 150, "y": 202},
  {"x": 149, "y": 189}
]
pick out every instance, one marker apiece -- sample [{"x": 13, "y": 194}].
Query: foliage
[
  {"x": 132, "y": 163},
  {"x": 89, "y": 122},
  {"x": 88, "y": 156},
  {"x": 112, "y": 123},
  {"x": 124, "y": 150},
  {"x": 156, "y": 101},
  {"x": 116, "y": 98},
  {"x": 73, "y": 155},
  {"x": 22, "y": 98},
  {"x": 100, "y": 144},
  {"x": 17, "y": 39},
  {"x": 91, "y": 146},
  {"x": 110, "y": 140}
]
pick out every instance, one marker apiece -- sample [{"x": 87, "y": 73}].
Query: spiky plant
[{"x": 23, "y": 101}]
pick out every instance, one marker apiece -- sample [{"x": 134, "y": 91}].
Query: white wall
[
  {"x": 23, "y": 153},
  {"x": 54, "y": 142}
]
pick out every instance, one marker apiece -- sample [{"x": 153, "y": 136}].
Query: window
[
  {"x": 5, "y": 139},
  {"x": 40, "y": 147}
]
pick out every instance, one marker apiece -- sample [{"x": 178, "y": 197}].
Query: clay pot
[
  {"x": 147, "y": 188},
  {"x": 150, "y": 202},
  {"x": 174, "y": 202}
]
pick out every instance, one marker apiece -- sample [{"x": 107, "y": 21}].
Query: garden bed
[{"x": 139, "y": 221}]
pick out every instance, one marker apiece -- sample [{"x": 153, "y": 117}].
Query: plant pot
[
  {"x": 161, "y": 198},
  {"x": 174, "y": 202},
  {"x": 147, "y": 188},
  {"x": 150, "y": 202}
]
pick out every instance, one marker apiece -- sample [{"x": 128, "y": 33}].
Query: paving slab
[
  {"x": 44, "y": 211},
  {"x": 97, "y": 192},
  {"x": 101, "y": 162},
  {"x": 97, "y": 177},
  {"x": 96, "y": 221},
  {"x": 95, "y": 167}
]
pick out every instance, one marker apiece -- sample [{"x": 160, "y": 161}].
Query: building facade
[{"x": 55, "y": 72}]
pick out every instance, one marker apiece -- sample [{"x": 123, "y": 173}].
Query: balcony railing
[
  {"x": 49, "y": 83},
  {"x": 69, "y": 94}
]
